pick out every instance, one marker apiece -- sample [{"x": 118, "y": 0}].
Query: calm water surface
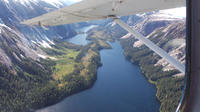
[
  {"x": 80, "y": 39},
  {"x": 120, "y": 87}
]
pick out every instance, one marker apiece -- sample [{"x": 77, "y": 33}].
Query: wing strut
[{"x": 152, "y": 46}]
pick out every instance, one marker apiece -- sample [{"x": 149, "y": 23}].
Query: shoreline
[
  {"x": 97, "y": 47},
  {"x": 163, "y": 81}
]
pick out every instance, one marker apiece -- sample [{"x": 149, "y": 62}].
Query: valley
[
  {"x": 69, "y": 69},
  {"x": 115, "y": 89},
  {"x": 87, "y": 67},
  {"x": 156, "y": 70}
]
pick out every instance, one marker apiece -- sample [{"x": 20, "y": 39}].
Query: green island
[{"x": 68, "y": 69}]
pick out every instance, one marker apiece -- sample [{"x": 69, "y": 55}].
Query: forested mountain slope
[{"x": 168, "y": 32}]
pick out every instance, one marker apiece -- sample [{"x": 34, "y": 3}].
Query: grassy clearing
[
  {"x": 64, "y": 59},
  {"x": 65, "y": 64}
]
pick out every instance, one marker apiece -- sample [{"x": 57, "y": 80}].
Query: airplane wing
[{"x": 87, "y": 10}]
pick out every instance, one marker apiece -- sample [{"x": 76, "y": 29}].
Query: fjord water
[
  {"x": 120, "y": 87},
  {"x": 80, "y": 39}
]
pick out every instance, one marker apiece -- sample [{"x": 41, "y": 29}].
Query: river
[{"x": 120, "y": 87}]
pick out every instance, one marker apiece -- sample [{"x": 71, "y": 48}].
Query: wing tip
[
  {"x": 29, "y": 23},
  {"x": 25, "y": 23}
]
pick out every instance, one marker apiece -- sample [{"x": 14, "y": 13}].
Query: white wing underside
[{"x": 88, "y": 10}]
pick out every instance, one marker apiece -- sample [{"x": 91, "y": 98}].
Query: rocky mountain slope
[
  {"x": 168, "y": 32},
  {"x": 22, "y": 69},
  {"x": 165, "y": 30},
  {"x": 24, "y": 41},
  {"x": 29, "y": 77}
]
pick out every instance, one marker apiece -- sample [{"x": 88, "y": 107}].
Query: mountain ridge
[{"x": 28, "y": 39}]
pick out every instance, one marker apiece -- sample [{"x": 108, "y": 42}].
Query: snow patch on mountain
[
  {"x": 29, "y": 3},
  {"x": 49, "y": 41},
  {"x": 174, "y": 13},
  {"x": 3, "y": 25},
  {"x": 54, "y": 2},
  {"x": 42, "y": 56},
  {"x": 73, "y": 1},
  {"x": 168, "y": 14},
  {"x": 6, "y": 1},
  {"x": 1, "y": 22},
  {"x": 44, "y": 44},
  {"x": 26, "y": 2}
]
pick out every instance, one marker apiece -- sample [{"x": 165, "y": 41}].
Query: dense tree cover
[
  {"x": 169, "y": 88},
  {"x": 17, "y": 89},
  {"x": 30, "y": 84},
  {"x": 107, "y": 33},
  {"x": 96, "y": 45}
]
